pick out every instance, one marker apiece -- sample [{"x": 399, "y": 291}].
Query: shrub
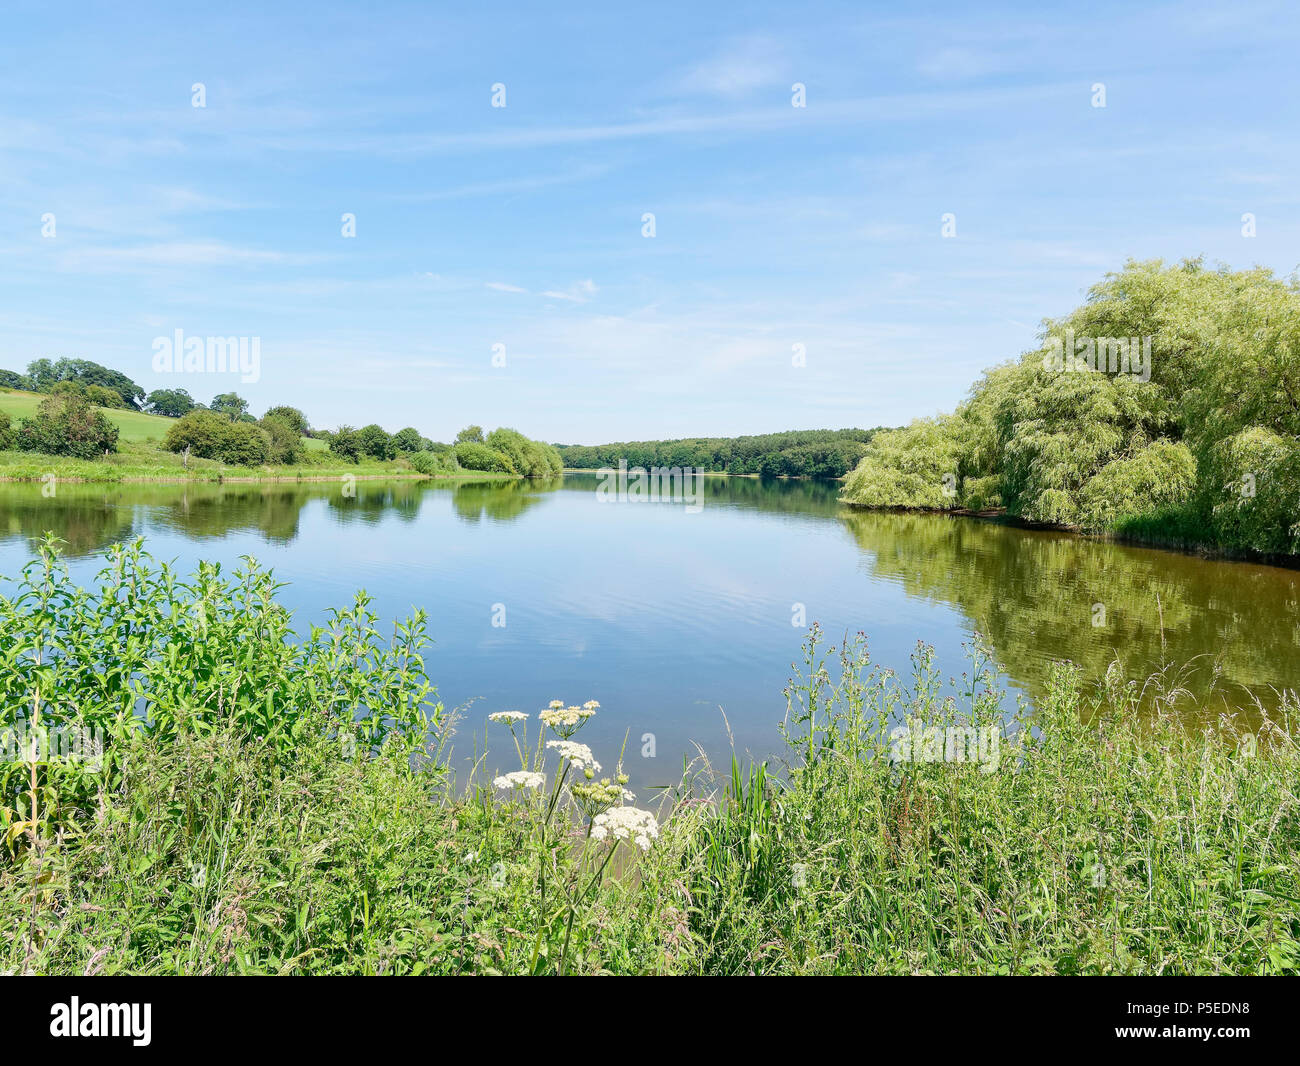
[
  {"x": 408, "y": 440},
  {"x": 473, "y": 456},
  {"x": 203, "y": 432},
  {"x": 246, "y": 444},
  {"x": 285, "y": 442},
  {"x": 376, "y": 443},
  {"x": 66, "y": 424},
  {"x": 210, "y": 435},
  {"x": 293, "y": 416},
  {"x": 346, "y": 443}
]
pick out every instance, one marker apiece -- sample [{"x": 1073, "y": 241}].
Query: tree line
[
  {"x": 818, "y": 453},
  {"x": 70, "y": 423},
  {"x": 1166, "y": 407}
]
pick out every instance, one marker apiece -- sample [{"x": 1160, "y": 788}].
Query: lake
[{"x": 671, "y": 615}]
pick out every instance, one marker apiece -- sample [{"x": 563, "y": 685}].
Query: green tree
[
  {"x": 170, "y": 402},
  {"x": 376, "y": 443},
  {"x": 408, "y": 440},
  {"x": 293, "y": 416},
  {"x": 203, "y": 432},
  {"x": 286, "y": 444},
  {"x": 471, "y": 435},
  {"x": 347, "y": 444},
  {"x": 229, "y": 403},
  {"x": 67, "y": 425}
]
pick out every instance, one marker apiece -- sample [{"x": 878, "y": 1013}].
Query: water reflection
[
  {"x": 1044, "y": 596},
  {"x": 1038, "y": 597}
]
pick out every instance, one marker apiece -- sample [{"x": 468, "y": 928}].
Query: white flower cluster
[
  {"x": 566, "y": 720},
  {"x": 507, "y": 717},
  {"x": 519, "y": 779},
  {"x": 626, "y": 823},
  {"x": 578, "y": 754}
]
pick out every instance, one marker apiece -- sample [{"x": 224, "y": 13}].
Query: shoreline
[{"x": 1180, "y": 547}]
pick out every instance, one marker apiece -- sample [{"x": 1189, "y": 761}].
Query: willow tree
[{"x": 1169, "y": 402}]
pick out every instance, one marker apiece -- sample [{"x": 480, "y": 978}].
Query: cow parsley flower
[
  {"x": 578, "y": 754},
  {"x": 567, "y": 720},
  {"x": 595, "y": 797},
  {"x": 519, "y": 779},
  {"x": 626, "y": 823},
  {"x": 507, "y": 717}
]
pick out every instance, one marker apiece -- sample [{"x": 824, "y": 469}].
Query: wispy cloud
[
  {"x": 578, "y": 292},
  {"x": 742, "y": 67}
]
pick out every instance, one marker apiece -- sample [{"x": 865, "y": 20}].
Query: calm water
[{"x": 668, "y": 617}]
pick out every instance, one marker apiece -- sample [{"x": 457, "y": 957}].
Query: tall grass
[{"x": 271, "y": 806}]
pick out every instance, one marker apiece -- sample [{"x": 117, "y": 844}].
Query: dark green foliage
[
  {"x": 346, "y": 443},
  {"x": 44, "y": 375},
  {"x": 293, "y": 416},
  {"x": 376, "y": 443},
  {"x": 229, "y": 403},
  {"x": 408, "y": 440},
  {"x": 210, "y": 435},
  {"x": 800, "y": 453},
  {"x": 285, "y": 442},
  {"x": 170, "y": 402},
  {"x": 66, "y": 424},
  {"x": 473, "y": 456}
]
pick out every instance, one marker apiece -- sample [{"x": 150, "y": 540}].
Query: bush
[
  {"x": 428, "y": 463},
  {"x": 346, "y": 444},
  {"x": 203, "y": 432},
  {"x": 376, "y": 443},
  {"x": 912, "y": 467},
  {"x": 286, "y": 444},
  {"x": 293, "y": 416},
  {"x": 408, "y": 440},
  {"x": 473, "y": 456},
  {"x": 66, "y": 424},
  {"x": 246, "y": 444},
  {"x": 209, "y": 435}
]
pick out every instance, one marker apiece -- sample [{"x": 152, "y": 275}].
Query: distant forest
[{"x": 797, "y": 453}]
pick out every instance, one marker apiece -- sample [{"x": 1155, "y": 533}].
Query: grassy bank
[
  {"x": 283, "y": 811},
  {"x": 146, "y": 462}
]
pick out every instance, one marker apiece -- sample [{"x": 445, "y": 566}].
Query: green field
[{"x": 134, "y": 426}]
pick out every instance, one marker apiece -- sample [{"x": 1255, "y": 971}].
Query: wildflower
[
  {"x": 577, "y": 754},
  {"x": 567, "y": 720},
  {"x": 596, "y": 797},
  {"x": 507, "y": 717},
  {"x": 519, "y": 779},
  {"x": 626, "y": 823}
]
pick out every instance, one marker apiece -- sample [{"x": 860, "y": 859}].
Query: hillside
[{"x": 134, "y": 426}]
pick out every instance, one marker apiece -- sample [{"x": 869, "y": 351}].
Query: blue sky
[{"x": 775, "y": 226}]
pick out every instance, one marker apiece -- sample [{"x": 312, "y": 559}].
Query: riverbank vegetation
[
  {"x": 819, "y": 453},
  {"x": 249, "y": 801},
  {"x": 1166, "y": 408},
  {"x": 91, "y": 423}
]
